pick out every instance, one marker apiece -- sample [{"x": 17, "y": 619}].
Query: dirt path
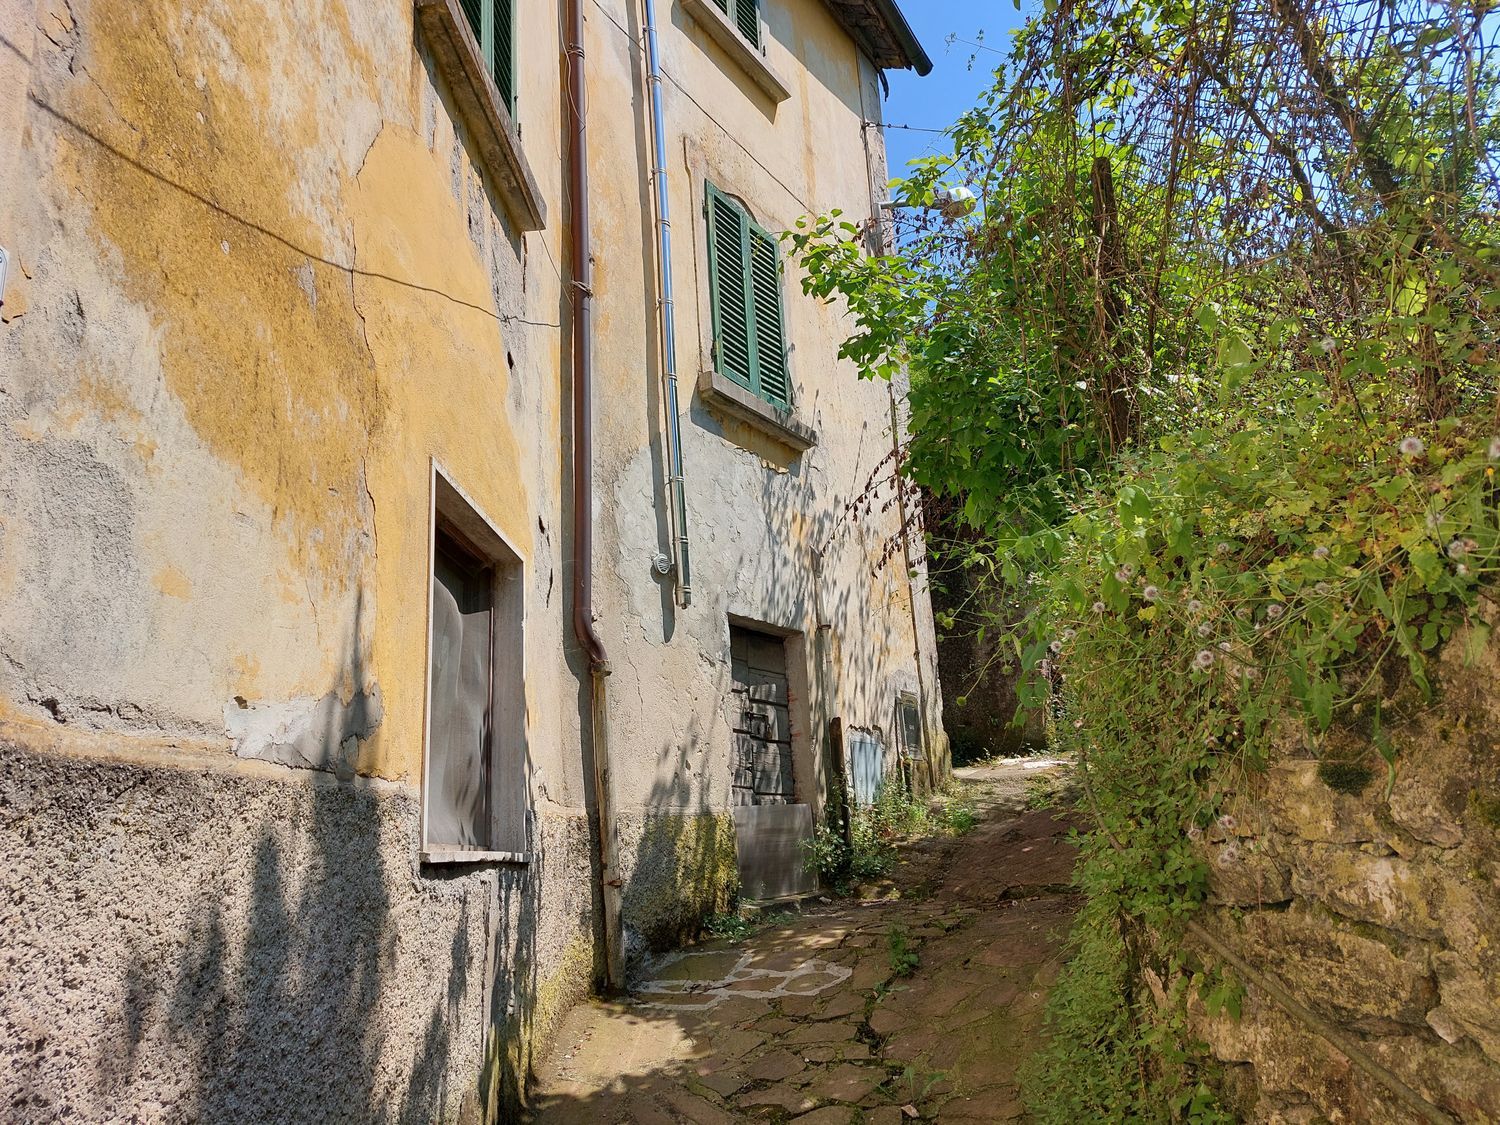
[{"x": 807, "y": 1019}]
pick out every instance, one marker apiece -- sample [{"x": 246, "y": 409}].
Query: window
[
  {"x": 475, "y": 778},
  {"x": 744, "y": 269},
  {"x": 746, "y": 17},
  {"x": 493, "y": 24}
]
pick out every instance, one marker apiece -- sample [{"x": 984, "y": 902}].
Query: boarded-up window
[{"x": 475, "y": 795}]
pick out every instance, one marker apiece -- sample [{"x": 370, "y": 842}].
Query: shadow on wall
[
  {"x": 683, "y": 868},
  {"x": 231, "y": 948}
]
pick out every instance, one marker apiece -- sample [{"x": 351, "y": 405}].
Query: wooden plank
[{"x": 766, "y": 654}]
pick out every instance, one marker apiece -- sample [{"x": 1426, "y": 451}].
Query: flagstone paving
[{"x": 808, "y": 1021}]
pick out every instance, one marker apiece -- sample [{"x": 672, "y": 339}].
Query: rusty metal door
[{"x": 762, "y": 755}]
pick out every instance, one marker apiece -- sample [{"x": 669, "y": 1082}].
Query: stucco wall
[
  {"x": 759, "y": 513},
  {"x": 259, "y": 285}
]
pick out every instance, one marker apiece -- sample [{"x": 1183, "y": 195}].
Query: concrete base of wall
[{"x": 198, "y": 944}]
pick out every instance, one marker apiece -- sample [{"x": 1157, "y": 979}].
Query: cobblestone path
[{"x": 807, "y": 1020}]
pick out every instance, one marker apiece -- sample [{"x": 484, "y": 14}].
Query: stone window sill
[
  {"x": 726, "y": 35},
  {"x": 461, "y": 65},
  {"x": 436, "y": 856},
  {"x": 728, "y": 397}
]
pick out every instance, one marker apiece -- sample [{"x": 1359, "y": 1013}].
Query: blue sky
[{"x": 954, "y": 84}]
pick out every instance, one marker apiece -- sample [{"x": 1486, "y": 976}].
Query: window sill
[
  {"x": 726, "y": 35},
  {"x": 461, "y": 65},
  {"x": 441, "y": 856},
  {"x": 727, "y": 396}
]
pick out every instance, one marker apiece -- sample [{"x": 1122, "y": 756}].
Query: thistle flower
[
  {"x": 1227, "y": 822},
  {"x": 1128, "y": 570},
  {"x": 1195, "y": 606},
  {"x": 1327, "y": 345},
  {"x": 1099, "y": 607},
  {"x": 1320, "y": 553},
  {"x": 1056, "y": 647},
  {"x": 1457, "y": 549},
  {"x": 1412, "y": 446},
  {"x": 1151, "y": 593},
  {"x": 1194, "y": 832},
  {"x": 1275, "y": 610},
  {"x": 1204, "y": 660},
  {"x": 1224, "y": 548},
  {"x": 1069, "y": 634},
  {"x": 1229, "y": 856},
  {"x": 1122, "y": 575},
  {"x": 1223, "y": 647},
  {"x": 1205, "y": 629}
]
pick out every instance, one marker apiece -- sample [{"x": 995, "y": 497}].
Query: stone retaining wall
[{"x": 1379, "y": 911}]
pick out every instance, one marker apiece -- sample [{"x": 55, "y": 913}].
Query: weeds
[{"x": 903, "y": 958}]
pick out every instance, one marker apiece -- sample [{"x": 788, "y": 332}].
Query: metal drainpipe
[
  {"x": 668, "y": 310},
  {"x": 582, "y": 284}
]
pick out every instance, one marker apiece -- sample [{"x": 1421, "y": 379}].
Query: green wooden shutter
[
  {"x": 504, "y": 57},
  {"x": 474, "y": 12},
  {"x": 493, "y": 24},
  {"x": 770, "y": 335},
  {"x": 728, "y": 280},
  {"x": 747, "y": 16}
]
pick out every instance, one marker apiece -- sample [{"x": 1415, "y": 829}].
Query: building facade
[{"x": 382, "y": 659}]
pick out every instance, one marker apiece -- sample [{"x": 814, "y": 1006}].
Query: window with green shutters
[
  {"x": 746, "y": 17},
  {"x": 493, "y": 23},
  {"x": 744, "y": 271}
]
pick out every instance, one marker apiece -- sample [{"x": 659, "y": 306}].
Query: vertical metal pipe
[
  {"x": 682, "y": 549},
  {"x": 582, "y": 285}
]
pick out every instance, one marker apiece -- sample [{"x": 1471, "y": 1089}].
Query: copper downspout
[{"x": 582, "y": 285}]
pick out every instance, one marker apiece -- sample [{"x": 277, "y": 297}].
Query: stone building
[{"x": 398, "y": 596}]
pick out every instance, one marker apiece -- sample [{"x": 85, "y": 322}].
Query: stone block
[
  {"x": 1294, "y": 800},
  {"x": 1431, "y": 792},
  {"x": 1249, "y": 879},
  {"x": 1471, "y": 1001},
  {"x": 1344, "y": 975},
  {"x": 1390, "y": 891}
]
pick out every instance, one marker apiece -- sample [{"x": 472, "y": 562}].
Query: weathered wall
[
  {"x": 758, "y": 512},
  {"x": 260, "y": 283},
  {"x": 1381, "y": 914}
]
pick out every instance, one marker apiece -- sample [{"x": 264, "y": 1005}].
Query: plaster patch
[{"x": 306, "y": 733}]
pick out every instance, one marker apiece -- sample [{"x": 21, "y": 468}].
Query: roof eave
[{"x": 911, "y": 47}]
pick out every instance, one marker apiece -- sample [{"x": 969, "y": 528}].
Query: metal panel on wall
[{"x": 770, "y": 841}]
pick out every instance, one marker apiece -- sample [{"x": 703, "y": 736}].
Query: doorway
[{"x": 763, "y": 773}]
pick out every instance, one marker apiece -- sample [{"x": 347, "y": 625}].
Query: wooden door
[{"x": 762, "y": 754}]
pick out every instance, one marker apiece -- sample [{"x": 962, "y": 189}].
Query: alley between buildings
[{"x": 918, "y": 1004}]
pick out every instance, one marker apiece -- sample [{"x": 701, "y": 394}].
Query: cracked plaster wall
[
  {"x": 259, "y": 283},
  {"x": 758, "y": 512}
]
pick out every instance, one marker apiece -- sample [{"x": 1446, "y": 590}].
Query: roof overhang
[{"x": 883, "y": 33}]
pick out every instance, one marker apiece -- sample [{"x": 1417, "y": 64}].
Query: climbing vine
[{"x": 1210, "y": 375}]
